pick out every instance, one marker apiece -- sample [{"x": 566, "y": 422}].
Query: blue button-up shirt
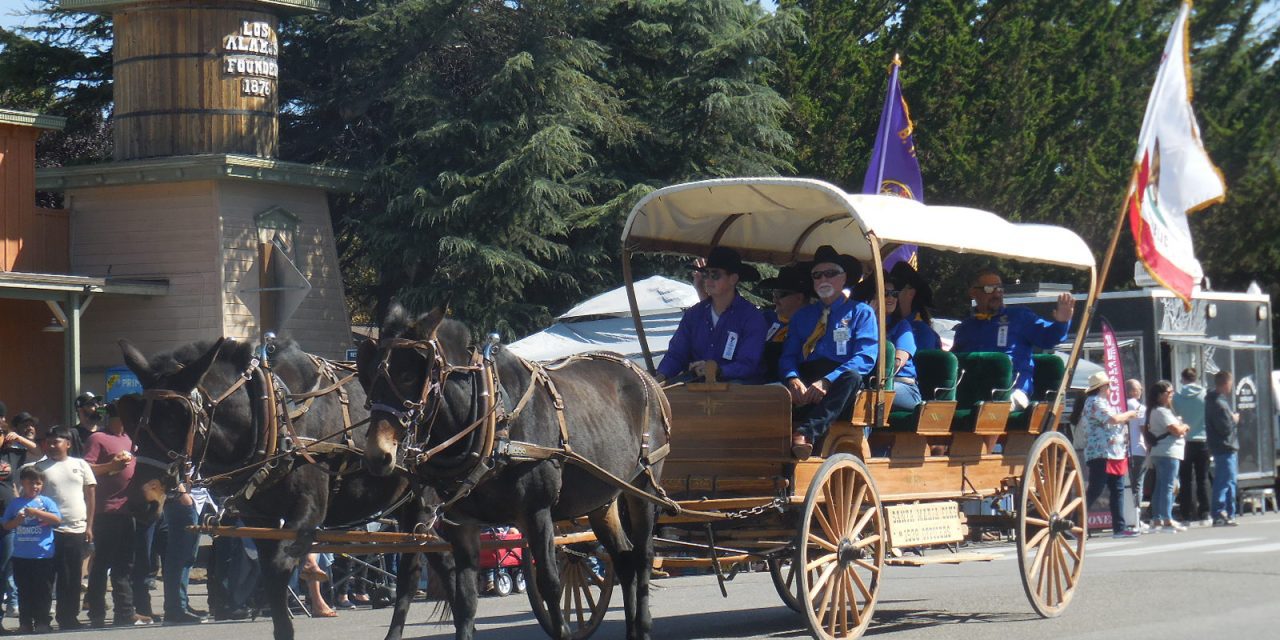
[
  {"x": 859, "y": 351},
  {"x": 903, "y": 340},
  {"x": 697, "y": 339},
  {"x": 926, "y": 337},
  {"x": 1015, "y": 331}
]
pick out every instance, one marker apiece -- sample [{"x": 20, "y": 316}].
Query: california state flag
[{"x": 1172, "y": 174}]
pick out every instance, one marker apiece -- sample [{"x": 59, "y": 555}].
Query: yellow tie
[{"x": 817, "y": 334}]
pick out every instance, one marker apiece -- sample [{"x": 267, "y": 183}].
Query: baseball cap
[{"x": 87, "y": 399}]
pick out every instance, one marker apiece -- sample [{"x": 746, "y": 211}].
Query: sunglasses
[
  {"x": 829, "y": 273},
  {"x": 990, "y": 288},
  {"x": 891, "y": 293},
  {"x": 779, "y": 294},
  {"x": 713, "y": 274}
]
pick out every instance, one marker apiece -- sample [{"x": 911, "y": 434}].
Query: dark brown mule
[
  {"x": 205, "y": 402},
  {"x": 427, "y": 386}
]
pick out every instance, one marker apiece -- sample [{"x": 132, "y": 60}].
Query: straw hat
[{"x": 1098, "y": 379}]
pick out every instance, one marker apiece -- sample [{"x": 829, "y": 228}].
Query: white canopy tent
[{"x": 604, "y": 323}]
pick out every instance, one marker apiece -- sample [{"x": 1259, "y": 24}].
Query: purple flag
[{"x": 894, "y": 169}]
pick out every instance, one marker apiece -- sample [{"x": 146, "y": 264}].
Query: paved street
[{"x": 1205, "y": 583}]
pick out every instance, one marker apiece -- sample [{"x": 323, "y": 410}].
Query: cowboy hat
[
  {"x": 728, "y": 260},
  {"x": 827, "y": 253},
  {"x": 903, "y": 274},
  {"x": 1098, "y": 379},
  {"x": 791, "y": 279}
]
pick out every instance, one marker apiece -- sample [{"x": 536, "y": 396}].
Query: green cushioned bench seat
[
  {"x": 936, "y": 374},
  {"x": 1049, "y": 372},
  {"x": 987, "y": 379}
]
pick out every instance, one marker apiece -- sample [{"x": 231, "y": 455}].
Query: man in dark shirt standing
[
  {"x": 90, "y": 420},
  {"x": 110, "y": 454},
  {"x": 1224, "y": 444}
]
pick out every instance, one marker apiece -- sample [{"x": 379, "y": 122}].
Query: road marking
[
  {"x": 1257, "y": 548},
  {"x": 1148, "y": 550}
]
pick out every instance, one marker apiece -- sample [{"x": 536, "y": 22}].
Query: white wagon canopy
[{"x": 782, "y": 220}]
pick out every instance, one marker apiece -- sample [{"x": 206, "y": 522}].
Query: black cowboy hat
[
  {"x": 729, "y": 260},
  {"x": 903, "y": 274},
  {"x": 827, "y": 253},
  {"x": 790, "y": 278}
]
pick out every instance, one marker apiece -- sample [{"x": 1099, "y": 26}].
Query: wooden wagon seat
[
  {"x": 982, "y": 396},
  {"x": 937, "y": 374},
  {"x": 1049, "y": 371}
]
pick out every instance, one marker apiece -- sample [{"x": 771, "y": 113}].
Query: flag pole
[{"x": 1091, "y": 301}]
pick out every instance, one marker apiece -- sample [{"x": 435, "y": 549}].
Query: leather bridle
[
  {"x": 182, "y": 465},
  {"x": 414, "y": 415}
]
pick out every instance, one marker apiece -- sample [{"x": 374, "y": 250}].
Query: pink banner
[{"x": 1111, "y": 362}]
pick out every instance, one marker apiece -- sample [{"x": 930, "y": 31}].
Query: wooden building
[
  {"x": 41, "y": 302},
  {"x": 194, "y": 187}
]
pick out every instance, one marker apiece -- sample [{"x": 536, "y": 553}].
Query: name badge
[
  {"x": 1002, "y": 336},
  {"x": 841, "y": 337},
  {"x": 730, "y": 345},
  {"x": 773, "y": 331}
]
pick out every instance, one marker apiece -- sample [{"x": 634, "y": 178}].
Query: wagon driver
[
  {"x": 723, "y": 328},
  {"x": 831, "y": 345},
  {"x": 1016, "y": 332}
]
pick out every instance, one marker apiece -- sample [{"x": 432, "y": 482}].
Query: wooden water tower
[
  {"x": 195, "y": 188},
  {"x": 194, "y": 77}
]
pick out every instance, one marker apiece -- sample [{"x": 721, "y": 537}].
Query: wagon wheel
[
  {"x": 586, "y": 587},
  {"x": 783, "y": 573},
  {"x": 842, "y": 546},
  {"x": 1051, "y": 524}
]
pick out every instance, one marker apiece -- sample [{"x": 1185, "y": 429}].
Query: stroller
[{"x": 500, "y": 572}]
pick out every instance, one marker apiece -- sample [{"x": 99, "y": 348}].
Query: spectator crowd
[{"x": 67, "y": 532}]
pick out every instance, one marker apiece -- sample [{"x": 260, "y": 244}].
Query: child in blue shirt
[{"x": 32, "y": 518}]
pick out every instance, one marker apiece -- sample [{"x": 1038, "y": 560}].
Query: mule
[
  {"x": 427, "y": 385},
  {"x": 203, "y": 404}
]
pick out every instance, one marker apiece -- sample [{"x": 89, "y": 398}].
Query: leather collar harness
[
  {"x": 276, "y": 438},
  {"x": 493, "y": 420}
]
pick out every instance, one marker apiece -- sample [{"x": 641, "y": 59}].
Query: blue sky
[{"x": 7, "y": 9}]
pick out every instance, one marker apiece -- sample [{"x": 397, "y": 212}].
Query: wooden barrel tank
[{"x": 192, "y": 78}]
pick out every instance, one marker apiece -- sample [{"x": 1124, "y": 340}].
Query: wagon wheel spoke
[
  {"x": 1035, "y": 498},
  {"x": 1034, "y": 540},
  {"x": 868, "y": 566},
  {"x": 1059, "y": 472},
  {"x": 822, "y": 542},
  {"x": 854, "y": 506},
  {"x": 862, "y": 523},
  {"x": 862, "y": 586},
  {"x": 1037, "y": 522},
  {"x": 867, "y": 541},
  {"x": 828, "y": 558},
  {"x": 837, "y": 586},
  {"x": 829, "y": 506},
  {"x": 1065, "y": 490},
  {"x": 824, "y": 577},
  {"x": 1071, "y": 506},
  {"x": 1067, "y": 547},
  {"x": 824, "y": 524}
]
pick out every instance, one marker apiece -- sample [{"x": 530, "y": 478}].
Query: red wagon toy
[{"x": 500, "y": 567}]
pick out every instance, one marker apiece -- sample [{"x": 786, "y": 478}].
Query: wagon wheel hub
[
  {"x": 848, "y": 553},
  {"x": 1059, "y": 525}
]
